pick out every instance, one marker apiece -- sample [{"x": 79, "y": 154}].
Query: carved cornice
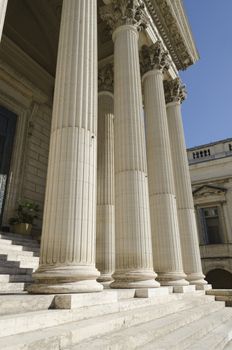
[
  {"x": 174, "y": 90},
  {"x": 124, "y": 12},
  {"x": 154, "y": 57},
  {"x": 171, "y": 21},
  {"x": 106, "y": 78}
]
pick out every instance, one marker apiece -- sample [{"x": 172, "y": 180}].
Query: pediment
[{"x": 208, "y": 190}]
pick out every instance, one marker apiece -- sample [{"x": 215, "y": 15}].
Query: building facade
[
  {"x": 211, "y": 175},
  {"x": 77, "y": 78}
]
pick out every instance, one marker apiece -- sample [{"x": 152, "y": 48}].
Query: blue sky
[{"x": 207, "y": 112}]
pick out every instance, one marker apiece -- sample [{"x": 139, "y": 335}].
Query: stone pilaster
[
  {"x": 105, "y": 254},
  {"x": 67, "y": 260},
  {"x": 175, "y": 94},
  {"x": 3, "y": 6},
  {"x": 134, "y": 267},
  {"x": 164, "y": 221}
]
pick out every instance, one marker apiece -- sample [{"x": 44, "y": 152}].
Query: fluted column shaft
[
  {"x": 164, "y": 221},
  {"x": 186, "y": 215},
  {"x": 134, "y": 266},
  {"x": 105, "y": 254},
  {"x": 3, "y": 6},
  {"x": 67, "y": 260}
]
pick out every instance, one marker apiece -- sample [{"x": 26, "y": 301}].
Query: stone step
[
  {"x": 7, "y": 263},
  {"x": 24, "y": 242},
  {"x": 66, "y": 331},
  {"x": 15, "y": 270},
  {"x": 218, "y": 339},
  {"x": 145, "y": 331},
  {"x": 12, "y": 304},
  {"x": 190, "y": 334},
  {"x": 217, "y": 292},
  {"x": 20, "y": 264},
  {"x": 9, "y": 247},
  {"x": 34, "y": 261},
  {"x": 222, "y": 295},
  {"x": 122, "y": 305},
  {"x": 226, "y": 298},
  {"x": 20, "y": 252},
  {"x": 16, "y": 236},
  {"x": 16, "y": 278},
  {"x": 6, "y": 287},
  {"x": 228, "y": 346}
]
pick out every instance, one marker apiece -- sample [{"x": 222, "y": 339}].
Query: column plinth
[
  {"x": 3, "y": 6},
  {"x": 175, "y": 94},
  {"x": 105, "y": 252},
  {"x": 164, "y": 222},
  {"x": 134, "y": 267},
  {"x": 67, "y": 260}
]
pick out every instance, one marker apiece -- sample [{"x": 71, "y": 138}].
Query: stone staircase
[
  {"x": 113, "y": 320},
  {"x": 19, "y": 257},
  {"x": 222, "y": 295}
]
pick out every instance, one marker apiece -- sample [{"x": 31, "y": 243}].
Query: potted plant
[{"x": 26, "y": 212}]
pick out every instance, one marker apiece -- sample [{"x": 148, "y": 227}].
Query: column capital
[
  {"x": 106, "y": 78},
  {"x": 125, "y": 12},
  {"x": 175, "y": 91},
  {"x": 154, "y": 57}
]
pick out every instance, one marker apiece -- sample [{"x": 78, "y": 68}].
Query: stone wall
[
  {"x": 36, "y": 158},
  {"x": 32, "y": 103}
]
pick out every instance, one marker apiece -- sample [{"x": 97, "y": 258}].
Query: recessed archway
[{"x": 220, "y": 279}]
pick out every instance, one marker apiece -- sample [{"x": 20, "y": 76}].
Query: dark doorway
[
  {"x": 220, "y": 279},
  {"x": 7, "y": 132}
]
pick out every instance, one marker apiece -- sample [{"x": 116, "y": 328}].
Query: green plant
[{"x": 25, "y": 213}]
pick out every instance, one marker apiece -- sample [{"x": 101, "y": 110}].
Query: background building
[{"x": 211, "y": 175}]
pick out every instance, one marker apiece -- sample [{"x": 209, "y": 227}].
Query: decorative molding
[
  {"x": 174, "y": 90},
  {"x": 171, "y": 21},
  {"x": 206, "y": 191},
  {"x": 125, "y": 12},
  {"x": 106, "y": 78},
  {"x": 154, "y": 57}
]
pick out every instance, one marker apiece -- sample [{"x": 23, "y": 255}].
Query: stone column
[
  {"x": 175, "y": 94},
  {"x": 67, "y": 260},
  {"x": 134, "y": 267},
  {"x": 3, "y": 5},
  {"x": 164, "y": 221},
  {"x": 105, "y": 255}
]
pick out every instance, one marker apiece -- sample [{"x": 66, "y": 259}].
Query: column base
[
  {"x": 105, "y": 279},
  {"x": 65, "y": 279},
  {"x": 172, "y": 279},
  {"x": 134, "y": 279},
  {"x": 196, "y": 278}
]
